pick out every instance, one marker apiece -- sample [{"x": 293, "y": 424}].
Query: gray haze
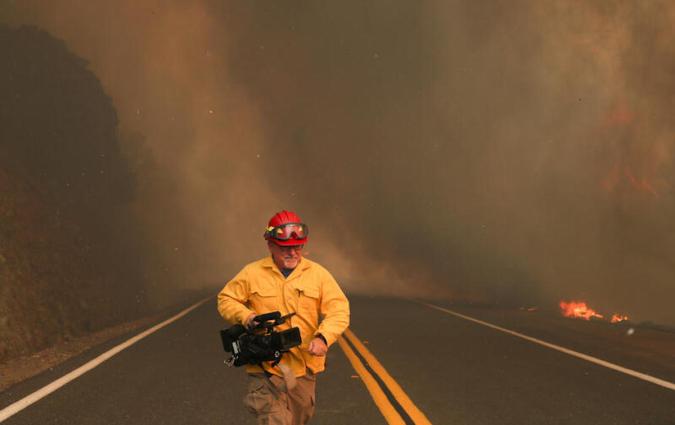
[{"x": 508, "y": 152}]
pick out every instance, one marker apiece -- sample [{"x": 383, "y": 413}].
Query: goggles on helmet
[{"x": 288, "y": 231}]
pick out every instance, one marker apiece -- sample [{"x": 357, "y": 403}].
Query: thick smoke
[{"x": 496, "y": 152}]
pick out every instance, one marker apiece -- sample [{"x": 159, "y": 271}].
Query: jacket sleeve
[
  {"x": 233, "y": 298},
  {"x": 334, "y": 309}
]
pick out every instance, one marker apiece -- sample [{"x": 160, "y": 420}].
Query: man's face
[{"x": 285, "y": 257}]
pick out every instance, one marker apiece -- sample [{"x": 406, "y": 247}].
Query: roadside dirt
[{"x": 22, "y": 368}]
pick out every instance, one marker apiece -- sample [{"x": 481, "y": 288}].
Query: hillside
[{"x": 70, "y": 259}]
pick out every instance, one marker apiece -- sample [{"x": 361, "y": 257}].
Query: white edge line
[
  {"x": 19, "y": 405},
  {"x": 636, "y": 374}
]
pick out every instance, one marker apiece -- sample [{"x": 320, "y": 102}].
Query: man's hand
[
  {"x": 249, "y": 321},
  {"x": 317, "y": 347}
]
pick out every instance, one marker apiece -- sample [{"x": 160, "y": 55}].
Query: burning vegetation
[{"x": 581, "y": 310}]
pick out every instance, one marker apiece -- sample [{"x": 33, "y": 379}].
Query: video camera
[{"x": 260, "y": 342}]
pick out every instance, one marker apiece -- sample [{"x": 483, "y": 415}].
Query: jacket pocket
[
  {"x": 264, "y": 299},
  {"x": 309, "y": 304}
]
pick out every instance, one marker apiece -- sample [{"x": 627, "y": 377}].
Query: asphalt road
[{"x": 455, "y": 371}]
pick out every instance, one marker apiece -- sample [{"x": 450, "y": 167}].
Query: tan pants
[{"x": 268, "y": 400}]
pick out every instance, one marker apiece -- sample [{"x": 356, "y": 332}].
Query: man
[{"x": 289, "y": 283}]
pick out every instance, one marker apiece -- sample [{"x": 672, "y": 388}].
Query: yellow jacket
[{"x": 310, "y": 291}]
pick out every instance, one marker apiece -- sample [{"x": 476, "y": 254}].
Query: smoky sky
[{"x": 499, "y": 152}]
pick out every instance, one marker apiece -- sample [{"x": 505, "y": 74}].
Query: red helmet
[{"x": 286, "y": 228}]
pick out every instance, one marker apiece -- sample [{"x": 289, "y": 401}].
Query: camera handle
[
  {"x": 268, "y": 321},
  {"x": 283, "y": 319}
]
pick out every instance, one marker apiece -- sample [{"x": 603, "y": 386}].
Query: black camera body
[{"x": 261, "y": 342}]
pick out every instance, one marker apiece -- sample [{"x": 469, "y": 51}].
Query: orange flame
[
  {"x": 616, "y": 318},
  {"x": 641, "y": 184},
  {"x": 578, "y": 310},
  {"x": 620, "y": 115},
  {"x": 615, "y": 177}
]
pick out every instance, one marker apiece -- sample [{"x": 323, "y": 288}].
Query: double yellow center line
[{"x": 389, "y": 397}]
